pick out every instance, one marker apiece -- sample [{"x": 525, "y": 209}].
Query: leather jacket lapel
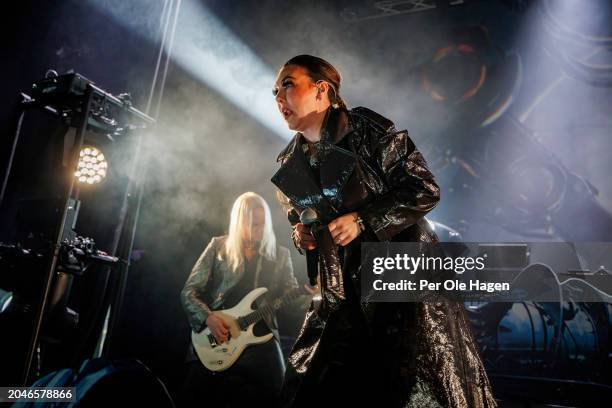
[
  {"x": 296, "y": 180},
  {"x": 336, "y": 169}
]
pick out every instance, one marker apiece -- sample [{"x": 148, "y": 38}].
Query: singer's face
[
  {"x": 254, "y": 230},
  {"x": 296, "y": 97}
]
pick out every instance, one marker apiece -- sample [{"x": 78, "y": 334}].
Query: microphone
[{"x": 310, "y": 218}]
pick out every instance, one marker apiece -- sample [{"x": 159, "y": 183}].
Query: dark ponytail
[{"x": 320, "y": 70}]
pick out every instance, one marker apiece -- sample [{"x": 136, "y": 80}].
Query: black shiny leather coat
[{"x": 397, "y": 354}]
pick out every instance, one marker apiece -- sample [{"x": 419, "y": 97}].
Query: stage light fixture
[{"x": 92, "y": 166}]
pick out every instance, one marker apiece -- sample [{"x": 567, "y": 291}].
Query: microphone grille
[{"x": 308, "y": 216}]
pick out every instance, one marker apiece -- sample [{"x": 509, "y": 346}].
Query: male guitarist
[{"x": 230, "y": 267}]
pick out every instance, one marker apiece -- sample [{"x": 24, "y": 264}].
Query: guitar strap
[{"x": 258, "y": 271}]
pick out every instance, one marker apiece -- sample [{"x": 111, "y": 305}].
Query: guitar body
[{"x": 219, "y": 357}]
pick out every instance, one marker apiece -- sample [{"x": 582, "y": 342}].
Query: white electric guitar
[{"x": 240, "y": 319}]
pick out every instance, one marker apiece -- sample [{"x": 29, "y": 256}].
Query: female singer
[{"x": 368, "y": 183}]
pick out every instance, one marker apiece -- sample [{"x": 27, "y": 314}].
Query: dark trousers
[{"x": 255, "y": 379}]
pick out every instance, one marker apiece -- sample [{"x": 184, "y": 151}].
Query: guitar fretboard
[{"x": 268, "y": 309}]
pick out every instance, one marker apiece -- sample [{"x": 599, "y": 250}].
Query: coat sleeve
[
  {"x": 292, "y": 216},
  {"x": 191, "y": 296},
  {"x": 287, "y": 277},
  {"x": 411, "y": 191}
]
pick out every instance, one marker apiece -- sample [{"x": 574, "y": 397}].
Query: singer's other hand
[
  {"x": 303, "y": 237},
  {"x": 314, "y": 290},
  {"x": 344, "y": 229}
]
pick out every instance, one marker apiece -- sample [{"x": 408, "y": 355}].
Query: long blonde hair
[{"x": 240, "y": 219}]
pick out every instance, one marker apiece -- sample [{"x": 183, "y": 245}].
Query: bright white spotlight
[
  {"x": 92, "y": 166},
  {"x": 206, "y": 48}
]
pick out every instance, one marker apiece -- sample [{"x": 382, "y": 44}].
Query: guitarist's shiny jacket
[{"x": 211, "y": 280}]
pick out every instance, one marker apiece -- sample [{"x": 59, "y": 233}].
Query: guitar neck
[{"x": 269, "y": 308}]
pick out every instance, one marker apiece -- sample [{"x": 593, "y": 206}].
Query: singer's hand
[
  {"x": 303, "y": 237},
  {"x": 344, "y": 229},
  {"x": 314, "y": 290}
]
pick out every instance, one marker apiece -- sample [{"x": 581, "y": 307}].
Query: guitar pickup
[{"x": 212, "y": 340}]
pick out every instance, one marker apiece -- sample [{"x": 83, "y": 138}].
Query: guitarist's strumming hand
[{"x": 218, "y": 328}]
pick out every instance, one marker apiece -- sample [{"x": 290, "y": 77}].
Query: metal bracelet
[{"x": 359, "y": 222}]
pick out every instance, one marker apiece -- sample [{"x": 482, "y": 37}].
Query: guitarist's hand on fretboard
[{"x": 218, "y": 328}]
